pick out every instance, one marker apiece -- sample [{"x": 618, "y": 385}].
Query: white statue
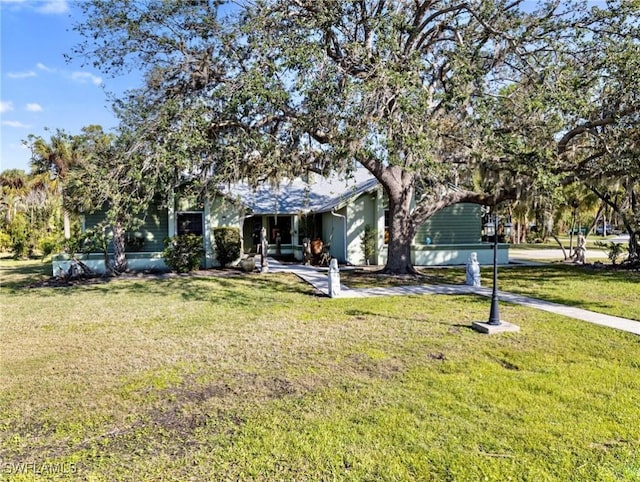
[
  {"x": 334, "y": 278},
  {"x": 473, "y": 270}
]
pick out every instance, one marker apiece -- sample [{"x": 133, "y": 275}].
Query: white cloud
[
  {"x": 80, "y": 77},
  {"x": 41, "y": 66},
  {"x": 6, "y": 106},
  {"x": 15, "y": 124},
  {"x": 21, "y": 75},
  {"x": 41, "y": 6},
  {"x": 29, "y": 73},
  {"x": 54, "y": 6},
  {"x": 83, "y": 77},
  {"x": 33, "y": 107}
]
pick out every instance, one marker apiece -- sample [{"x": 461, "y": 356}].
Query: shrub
[
  {"x": 368, "y": 243},
  {"x": 533, "y": 238},
  {"x": 183, "y": 253},
  {"x": 614, "y": 250},
  {"x": 50, "y": 244},
  {"x": 5, "y": 241},
  {"x": 227, "y": 244},
  {"x": 20, "y": 245}
]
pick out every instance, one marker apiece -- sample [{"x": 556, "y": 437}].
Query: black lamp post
[
  {"x": 495, "y": 324},
  {"x": 491, "y": 230}
]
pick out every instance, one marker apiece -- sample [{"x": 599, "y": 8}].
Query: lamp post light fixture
[{"x": 507, "y": 231}]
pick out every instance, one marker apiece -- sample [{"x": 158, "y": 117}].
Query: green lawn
[
  {"x": 608, "y": 291},
  {"x": 256, "y": 378}
]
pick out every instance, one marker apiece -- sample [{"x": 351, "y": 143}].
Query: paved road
[{"x": 516, "y": 254}]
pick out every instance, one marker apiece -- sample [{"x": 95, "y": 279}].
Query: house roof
[{"x": 318, "y": 194}]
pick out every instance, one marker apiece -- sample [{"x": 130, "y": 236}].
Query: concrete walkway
[{"x": 318, "y": 278}]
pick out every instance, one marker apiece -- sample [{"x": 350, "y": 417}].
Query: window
[
  {"x": 310, "y": 226},
  {"x": 280, "y": 226},
  {"x": 190, "y": 223}
]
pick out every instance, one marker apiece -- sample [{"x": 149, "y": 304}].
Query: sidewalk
[{"x": 318, "y": 278}]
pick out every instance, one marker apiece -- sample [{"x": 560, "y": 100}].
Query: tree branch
[
  {"x": 425, "y": 210},
  {"x": 576, "y": 131}
]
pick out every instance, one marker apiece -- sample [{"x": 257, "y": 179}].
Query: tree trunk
[
  {"x": 66, "y": 224},
  {"x": 404, "y": 218},
  {"x": 574, "y": 218},
  {"x": 564, "y": 251},
  {"x": 634, "y": 248},
  {"x": 401, "y": 229},
  {"x": 119, "y": 256},
  {"x": 399, "y": 255},
  {"x": 66, "y": 220}
]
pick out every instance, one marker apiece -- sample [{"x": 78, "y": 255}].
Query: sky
[{"x": 39, "y": 89}]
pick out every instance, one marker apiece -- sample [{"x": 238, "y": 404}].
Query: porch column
[
  {"x": 295, "y": 225},
  {"x": 295, "y": 237},
  {"x": 378, "y": 211}
]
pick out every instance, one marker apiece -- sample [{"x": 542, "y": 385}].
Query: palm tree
[
  {"x": 56, "y": 158},
  {"x": 13, "y": 183}
]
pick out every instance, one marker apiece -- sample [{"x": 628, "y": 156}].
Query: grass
[
  {"x": 256, "y": 378},
  {"x": 608, "y": 291}
]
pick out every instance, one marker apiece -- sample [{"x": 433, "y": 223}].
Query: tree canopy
[
  {"x": 442, "y": 101},
  {"x": 600, "y": 146}
]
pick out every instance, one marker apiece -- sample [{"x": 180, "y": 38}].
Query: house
[{"x": 334, "y": 209}]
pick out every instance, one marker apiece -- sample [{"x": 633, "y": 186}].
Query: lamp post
[
  {"x": 491, "y": 230},
  {"x": 494, "y": 325}
]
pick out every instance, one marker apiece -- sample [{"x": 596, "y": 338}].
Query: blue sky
[{"x": 39, "y": 89}]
